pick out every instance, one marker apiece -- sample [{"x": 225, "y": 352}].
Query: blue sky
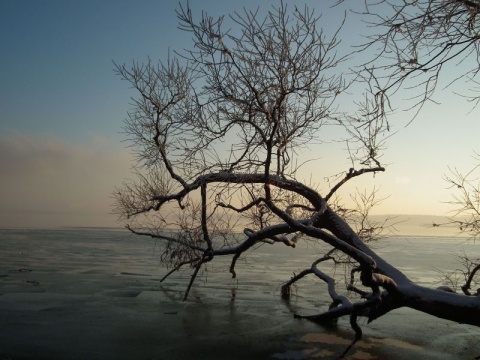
[
  {"x": 62, "y": 110},
  {"x": 57, "y": 58}
]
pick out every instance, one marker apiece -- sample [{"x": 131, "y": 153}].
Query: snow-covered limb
[
  {"x": 220, "y": 134},
  {"x": 247, "y": 178}
]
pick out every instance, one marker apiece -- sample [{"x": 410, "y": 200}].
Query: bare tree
[
  {"x": 415, "y": 42},
  {"x": 466, "y": 218},
  {"x": 220, "y": 134},
  {"x": 466, "y": 200}
]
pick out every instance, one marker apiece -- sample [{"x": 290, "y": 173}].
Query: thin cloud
[
  {"x": 46, "y": 181},
  {"x": 402, "y": 180}
]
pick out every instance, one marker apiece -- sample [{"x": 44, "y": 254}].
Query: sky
[{"x": 62, "y": 150}]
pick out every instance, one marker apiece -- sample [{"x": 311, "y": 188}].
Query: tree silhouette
[{"x": 220, "y": 133}]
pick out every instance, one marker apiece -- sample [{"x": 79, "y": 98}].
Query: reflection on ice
[{"x": 96, "y": 294}]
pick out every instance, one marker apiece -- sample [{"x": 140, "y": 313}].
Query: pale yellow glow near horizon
[
  {"x": 62, "y": 109},
  {"x": 47, "y": 182}
]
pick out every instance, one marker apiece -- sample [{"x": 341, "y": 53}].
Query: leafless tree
[
  {"x": 466, "y": 200},
  {"x": 466, "y": 218},
  {"x": 416, "y": 43},
  {"x": 220, "y": 134}
]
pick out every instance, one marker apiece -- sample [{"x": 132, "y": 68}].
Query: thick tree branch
[{"x": 268, "y": 88}]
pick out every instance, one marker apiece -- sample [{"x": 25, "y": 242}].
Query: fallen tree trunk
[{"x": 398, "y": 290}]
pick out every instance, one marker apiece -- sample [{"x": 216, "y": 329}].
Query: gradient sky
[{"x": 62, "y": 110}]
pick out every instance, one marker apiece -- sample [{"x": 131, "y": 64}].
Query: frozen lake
[{"x": 95, "y": 294}]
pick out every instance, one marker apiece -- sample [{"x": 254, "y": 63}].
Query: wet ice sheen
[{"x": 81, "y": 294}]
